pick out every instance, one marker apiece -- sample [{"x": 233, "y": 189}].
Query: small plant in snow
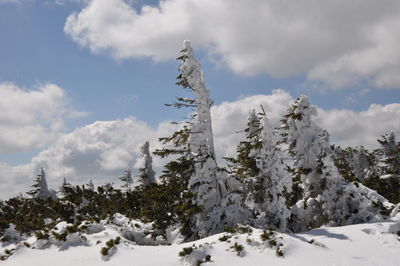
[
  {"x": 224, "y": 238},
  {"x": 239, "y": 249},
  {"x": 110, "y": 245},
  {"x": 186, "y": 251},
  {"x": 42, "y": 235},
  {"x": 273, "y": 242}
]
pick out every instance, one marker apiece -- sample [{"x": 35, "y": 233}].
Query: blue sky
[
  {"x": 36, "y": 50},
  {"x": 341, "y": 62}
]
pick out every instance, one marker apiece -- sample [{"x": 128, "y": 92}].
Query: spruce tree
[
  {"x": 354, "y": 164},
  {"x": 386, "y": 180},
  {"x": 147, "y": 175},
  {"x": 320, "y": 195},
  {"x": 273, "y": 181},
  {"x": 244, "y": 166},
  {"x": 40, "y": 190},
  {"x": 65, "y": 188},
  {"x": 90, "y": 185},
  {"x": 206, "y": 187},
  {"x": 219, "y": 195},
  {"x": 126, "y": 178}
]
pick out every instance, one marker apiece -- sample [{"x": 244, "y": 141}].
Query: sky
[{"x": 83, "y": 83}]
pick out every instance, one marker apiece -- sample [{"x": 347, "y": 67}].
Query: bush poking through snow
[
  {"x": 224, "y": 238},
  {"x": 110, "y": 248},
  {"x": 273, "y": 241},
  {"x": 186, "y": 251},
  {"x": 194, "y": 256},
  {"x": 239, "y": 249},
  {"x": 240, "y": 229}
]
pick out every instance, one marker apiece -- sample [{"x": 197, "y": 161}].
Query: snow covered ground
[{"x": 363, "y": 244}]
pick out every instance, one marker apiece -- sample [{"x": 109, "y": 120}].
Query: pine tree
[
  {"x": 90, "y": 185},
  {"x": 244, "y": 166},
  {"x": 40, "y": 190},
  {"x": 386, "y": 179},
  {"x": 147, "y": 175},
  {"x": 206, "y": 187},
  {"x": 320, "y": 195},
  {"x": 219, "y": 195},
  {"x": 65, "y": 188},
  {"x": 273, "y": 182},
  {"x": 195, "y": 142},
  {"x": 354, "y": 164},
  {"x": 177, "y": 173},
  {"x": 126, "y": 178}
]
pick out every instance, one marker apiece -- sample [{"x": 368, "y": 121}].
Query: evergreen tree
[
  {"x": 272, "y": 183},
  {"x": 147, "y": 175},
  {"x": 90, "y": 185},
  {"x": 207, "y": 187},
  {"x": 319, "y": 193},
  {"x": 354, "y": 164},
  {"x": 40, "y": 190},
  {"x": 244, "y": 166},
  {"x": 65, "y": 188},
  {"x": 219, "y": 195},
  {"x": 386, "y": 179},
  {"x": 126, "y": 178}
]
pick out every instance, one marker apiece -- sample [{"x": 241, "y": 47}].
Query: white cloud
[
  {"x": 102, "y": 150},
  {"x": 31, "y": 118},
  {"x": 349, "y": 128},
  {"x": 337, "y": 42}
]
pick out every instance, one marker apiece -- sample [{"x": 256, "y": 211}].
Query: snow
[{"x": 356, "y": 245}]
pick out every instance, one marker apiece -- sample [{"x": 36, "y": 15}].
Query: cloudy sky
[{"x": 83, "y": 83}]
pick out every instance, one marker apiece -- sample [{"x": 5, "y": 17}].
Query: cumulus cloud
[
  {"x": 336, "y": 42},
  {"x": 100, "y": 151},
  {"x": 103, "y": 150},
  {"x": 31, "y": 118},
  {"x": 350, "y": 128}
]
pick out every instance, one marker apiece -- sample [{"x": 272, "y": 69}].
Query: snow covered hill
[{"x": 375, "y": 243}]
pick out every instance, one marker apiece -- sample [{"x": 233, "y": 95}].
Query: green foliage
[
  {"x": 266, "y": 235},
  {"x": 238, "y": 248},
  {"x": 42, "y": 235},
  {"x": 279, "y": 252},
  {"x": 104, "y": 251},
  {"x": 186, "y": 251},
  {"x": 224, "y": 238},
  {"x": 270, "y": 236},
  {"x": 109, "y": 245},
  {"x": 244, "y": 166}
]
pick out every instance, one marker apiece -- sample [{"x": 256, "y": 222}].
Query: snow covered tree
[
  {"x": 273, "y": 182},
  {"x": 354, "y": 164},
  {"x": 147, "y": 175},
  {"x": 90, "y": 185},
  {"x": 386, "y": 180},
  {"x": 319, "y": 194},
  {"x": 40, "y": 190},
  {"x": 218, "y": 195},
  {"x": 65, "y": 188},
  {"x": 389, "y": 156},
  {"x": 126, "y": 178},
  {"x": 214, "y": 196}
]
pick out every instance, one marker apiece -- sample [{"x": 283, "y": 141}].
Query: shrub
[
  {"x": 186, "y": 251},
  {"x": 224, "y": 238},
  {"x": 238, "y": 248}
]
